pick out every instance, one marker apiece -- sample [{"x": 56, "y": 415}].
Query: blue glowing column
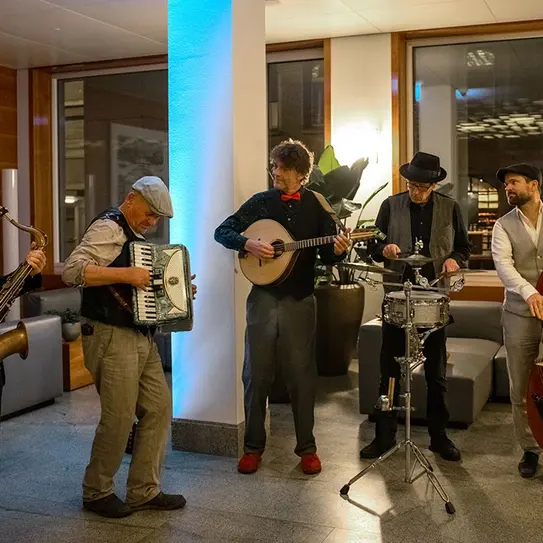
[{"x": 217, "y": 158}]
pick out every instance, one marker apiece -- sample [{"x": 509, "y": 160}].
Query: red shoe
[
  {"x": 311, "y": 464},
  {"x": 249, "y": 462}
]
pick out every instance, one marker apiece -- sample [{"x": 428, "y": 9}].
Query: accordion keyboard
[{"x": 146, "y": 309}]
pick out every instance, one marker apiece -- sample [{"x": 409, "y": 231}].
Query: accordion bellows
[{"x": 167, "y": 302}]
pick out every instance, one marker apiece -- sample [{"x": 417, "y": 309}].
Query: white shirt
[
  {"x": 502, "y": 254},
  {"x": 100, "y": 246}
]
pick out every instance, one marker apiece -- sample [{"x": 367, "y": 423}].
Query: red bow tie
[{"x": 295, "y": 196}]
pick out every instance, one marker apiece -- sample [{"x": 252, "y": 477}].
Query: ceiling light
[
  {"x": 512, "y": 136},
  {"x": 480, "y": 57}
]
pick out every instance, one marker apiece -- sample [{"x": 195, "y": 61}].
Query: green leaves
[{"x": 328, "y": 160}]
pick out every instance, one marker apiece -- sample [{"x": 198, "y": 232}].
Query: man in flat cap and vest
[
  {"x": 122, "y": 357},
  {"x": 517, "y": 250},
  {"x": 422, "y": 214}
]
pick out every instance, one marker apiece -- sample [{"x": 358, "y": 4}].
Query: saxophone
[{"x": 16, "y": 341}]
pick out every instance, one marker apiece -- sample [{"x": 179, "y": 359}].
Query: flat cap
[
  {"x": 527, "y": 170},
  {"x": 156, "y": 194}
]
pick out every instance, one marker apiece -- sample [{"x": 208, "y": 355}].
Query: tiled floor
[{"x": 43, "y": 455}]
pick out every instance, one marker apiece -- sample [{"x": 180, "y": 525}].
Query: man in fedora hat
[
  {"x": 517, "y": 250},
  {"x": 435, "y": 219}
]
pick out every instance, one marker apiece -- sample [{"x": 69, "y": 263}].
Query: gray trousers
[
  {"x": 129, "y": 378},
  {"x": 280, "y": 332},
  {"x": 522, "y": 338}
]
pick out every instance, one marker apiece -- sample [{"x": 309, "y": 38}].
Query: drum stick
[{"x": 391, "y": 383}]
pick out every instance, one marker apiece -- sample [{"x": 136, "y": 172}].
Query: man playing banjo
[
  {"x": 418, "y": 215},
  {"x": 281, "y": 318}
]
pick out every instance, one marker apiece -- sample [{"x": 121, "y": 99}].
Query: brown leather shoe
[
  {"x": 528, "y": 465},
  {"x": 109, "y": 506},
  {"x": 164, "y": 502}
]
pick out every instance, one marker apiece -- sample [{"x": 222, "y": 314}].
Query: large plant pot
[{"x": 339, "y": 315}]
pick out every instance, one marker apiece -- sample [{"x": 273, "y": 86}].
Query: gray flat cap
[{"x": 156, "y": 194}]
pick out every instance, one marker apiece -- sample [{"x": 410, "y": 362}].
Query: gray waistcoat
[
  {"x": 441, "y": 235},
  {"x": 527, "y": 257}
]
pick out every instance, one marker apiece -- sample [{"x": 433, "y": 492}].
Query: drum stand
[{"x": 411, "y": 360}]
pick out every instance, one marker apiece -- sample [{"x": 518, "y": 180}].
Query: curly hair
[{"x": 293, "y": 154}]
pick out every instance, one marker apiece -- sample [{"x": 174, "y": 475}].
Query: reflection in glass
[
  {"x": 296, "y": 103},
  {"x": 479, "y": 106},
  {"x": 112, "y": 130}
]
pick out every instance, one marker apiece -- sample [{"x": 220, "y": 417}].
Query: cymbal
[
  {"x": 366, "y": 267},
  {"x": 415, "y": 260}
]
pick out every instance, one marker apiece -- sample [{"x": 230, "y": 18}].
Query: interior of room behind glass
[{"x": 479, "y": 106}]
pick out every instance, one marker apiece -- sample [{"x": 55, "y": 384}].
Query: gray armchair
[{"x": 37, "y": 380}]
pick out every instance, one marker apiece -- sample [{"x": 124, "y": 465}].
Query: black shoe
[
  {"x": 376, "y": 448},
  {"x": 110, "y": 506},
  {"x": 445, "y": 448},
  {"x": 528, "y": 465},
  {"x": 165, "y": 502}
]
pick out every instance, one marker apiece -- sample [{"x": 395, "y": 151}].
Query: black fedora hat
[{"x": 423, "y": 168}]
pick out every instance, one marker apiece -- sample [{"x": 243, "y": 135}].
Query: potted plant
[
  {"x": 71, "y": 325},
  {"x": 340, "y": 295}
]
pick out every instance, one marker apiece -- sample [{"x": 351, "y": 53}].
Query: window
[
  {"x": 479, "y": 106},
  {"x": 112, "y": 130},
  {"x": 296, "y": 103}
]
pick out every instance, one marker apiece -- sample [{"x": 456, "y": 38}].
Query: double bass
[{"x": 534, "y": 395}]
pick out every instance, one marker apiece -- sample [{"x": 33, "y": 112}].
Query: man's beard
[{"x": 518, "y": 199}]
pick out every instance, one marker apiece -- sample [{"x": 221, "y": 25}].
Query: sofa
[
  {"x": 476, "y": 368},
  {"x": 37, "y": 380}
]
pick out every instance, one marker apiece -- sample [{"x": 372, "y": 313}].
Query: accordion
[{"x": 167, "y": 302}]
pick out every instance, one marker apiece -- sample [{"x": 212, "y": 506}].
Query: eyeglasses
[{"x": 418, "y": 187}]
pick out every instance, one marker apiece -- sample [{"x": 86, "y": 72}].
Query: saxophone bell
[{"x": 14, "y": 342}]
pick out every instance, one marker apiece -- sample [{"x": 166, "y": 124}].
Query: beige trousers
[
  {"x": 522, "y": 339},
  {"x": 128, "y": 375}
]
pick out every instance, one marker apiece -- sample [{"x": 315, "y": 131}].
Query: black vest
[{"x": 98, "y": 303}]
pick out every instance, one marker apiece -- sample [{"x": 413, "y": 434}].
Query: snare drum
[{"x": 430, "y": 309}]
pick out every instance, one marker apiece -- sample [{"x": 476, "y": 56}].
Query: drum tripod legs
[{"x": 427, "y": 470}]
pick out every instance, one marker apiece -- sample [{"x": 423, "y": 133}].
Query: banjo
[{"x": 272, "y": 271}]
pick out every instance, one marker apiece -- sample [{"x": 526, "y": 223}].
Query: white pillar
[
  {"x": 217, "y": 154},
  {"x": 10, "y": 233}
]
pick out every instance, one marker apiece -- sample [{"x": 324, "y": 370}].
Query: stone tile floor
[{"x": 43, "y": 455}]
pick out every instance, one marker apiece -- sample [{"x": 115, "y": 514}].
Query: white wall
[{"x": 362, "y": 120}]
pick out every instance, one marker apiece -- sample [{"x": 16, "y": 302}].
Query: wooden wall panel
[
  {"x": 8, "y": 130},
  {"x": 41, "y": 153},
  {"x": 8, "y": 118}
]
